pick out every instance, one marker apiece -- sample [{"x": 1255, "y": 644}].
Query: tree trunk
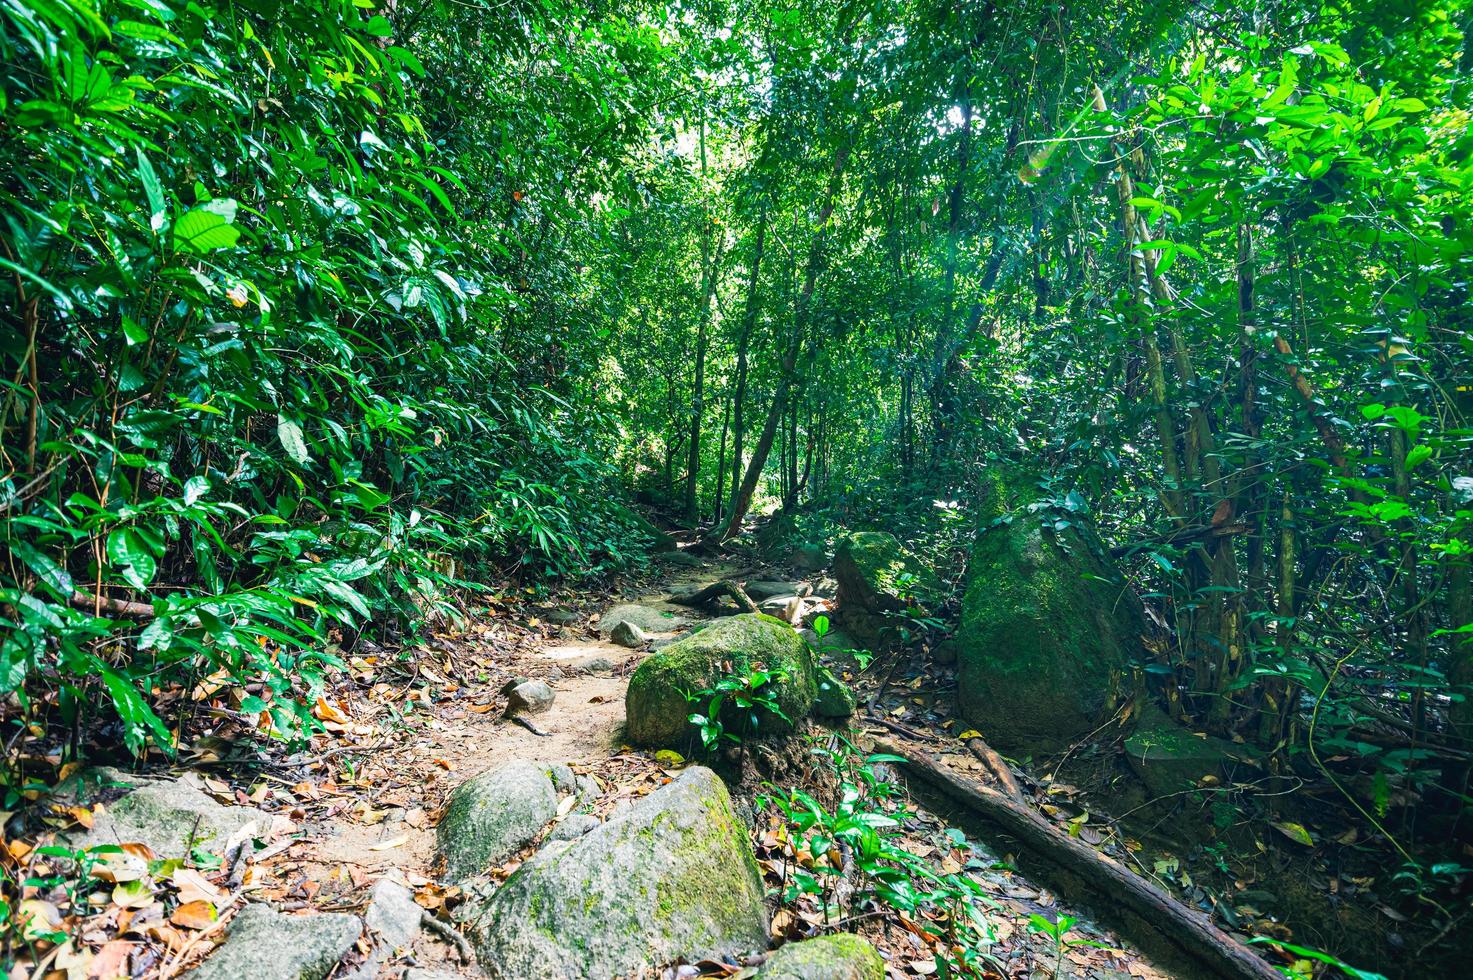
[
  {"x": 738, "y": 431},
  {"x": 742, "y": 502}
]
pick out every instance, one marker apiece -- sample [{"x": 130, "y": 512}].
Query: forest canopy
[{"x": 321, "y": 316}]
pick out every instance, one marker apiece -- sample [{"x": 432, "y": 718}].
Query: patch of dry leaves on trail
[{"x": 401, "y": 729}]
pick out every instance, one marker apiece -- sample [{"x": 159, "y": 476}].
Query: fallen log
[
  {"x": 715, "y": 591},
  {"x": 1191, "y": 933},
  {"x": 124, "y": 608}
]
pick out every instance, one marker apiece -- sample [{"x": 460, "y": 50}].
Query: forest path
[{"x": 444, "y": 727}]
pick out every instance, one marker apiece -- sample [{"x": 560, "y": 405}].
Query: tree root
[
  {"x": 450, "y": 934},
  {"x": 1189, "y": 932},
  {"x": 715, "y": 591}
]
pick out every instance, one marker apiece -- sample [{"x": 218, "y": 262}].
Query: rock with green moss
[
  {"x": 491, "y": 817},
  {"x": 1169, "y": 758},
  {"x": 838, "y": 957},
  {"x": 835, "y": 700},
  {"x": 672, "y": 877},
  {"x": 262, "y": 942},
  {"x": 877, "y": 579},
  {"x": 171, "y": 816},
  {"x": 656, "y": 703},
  {"x": 1048, "y": 627}
]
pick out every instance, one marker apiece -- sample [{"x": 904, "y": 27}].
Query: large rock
[
  {"x": 671, "y": 877},
  {"x": 760, "y": 589},
  {"x": 1169, "y": 758},
  {"x": 170, "y": 816},
  {"x": 877, "y": 579},
  {"x": 842, "y": 956},
  {"x": 1048, "y": 628},
  {"x": 491, "y": 817},
  {"x": 265, "y": 944},
  {"x": 649, "y": 619},
  {"x": 656, "y": 701},
  {"x": 809, "y": 558}
]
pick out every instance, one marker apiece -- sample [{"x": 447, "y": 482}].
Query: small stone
[
  {"x": 683, "y": 558},
  {"x": 393, "y": 914},
  {"x": 589, "y": 789},
  {"x": 491, "y": 817},
  {"x": 529, "y": 698},
  {"x": 262, "y": 942},
  {"x": 594, "y": 665},
  {"x": 573, "y": 826},
  {"x": 562, "y": 617},
  {"x": 842, "y": 956},
  {"x": 627, "y": 634},
  {"x": 562, "y": 778}
]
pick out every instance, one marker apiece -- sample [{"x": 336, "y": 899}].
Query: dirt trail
[{"x": 379, "y": 815}]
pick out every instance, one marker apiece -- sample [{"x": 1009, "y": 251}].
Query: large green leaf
[{"x": 202, "y": 230}]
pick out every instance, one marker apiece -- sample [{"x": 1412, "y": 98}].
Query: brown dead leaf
[{"x": 195, "y": 915}]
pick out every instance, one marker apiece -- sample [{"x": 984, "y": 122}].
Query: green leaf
[
  {"x": 48, "y": 571},
  {"x": 138, "y": 718},
  {"x": 1294, "y": 832},
  {"x": 127, "y": 549},
  {"x": 153, "y": 190},
  {"x": 292, "y": 440},
  {"x": 203, "y": 230},
  {"x": 1418, "y": 456}
]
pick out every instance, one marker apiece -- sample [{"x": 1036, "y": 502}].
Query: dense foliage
[{"x": 311, "y": 310}]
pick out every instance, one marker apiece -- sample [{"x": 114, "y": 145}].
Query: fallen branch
[
  {"x": 118, "y": 607},
  {"x": 1190, "y": 932},
  {"x": 996, "y": 765},
  {"x": 715, "y": 591}
]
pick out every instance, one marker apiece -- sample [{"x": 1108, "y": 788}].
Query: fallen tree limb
[
  {"x": 998, "y": 766},
  {"x": 118, "y": 607},
  {"x": 715, "y": 591},
  {"x": 1189, "y": 931}
]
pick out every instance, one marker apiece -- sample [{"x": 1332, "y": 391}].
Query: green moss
[
  {"x": 1047, "y": 631},
  {"x": 838, "y": 957},
  {"x": 656, "y": 701}
]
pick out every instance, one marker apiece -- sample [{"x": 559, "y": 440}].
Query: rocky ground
[{"x": 427, "y": 835}]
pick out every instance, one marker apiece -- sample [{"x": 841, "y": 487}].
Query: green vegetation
[{"x": 1142, "y": 327}]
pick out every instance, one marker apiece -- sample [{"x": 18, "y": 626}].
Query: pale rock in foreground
[
  {"x": 264, "y": 944},
  {"x": 672, "y": 876}
]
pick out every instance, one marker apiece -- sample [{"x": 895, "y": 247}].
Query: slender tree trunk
[
  {"x": 743, "y": 500},
  {"x": 710, "y": 259},
  {"x": 743, "y": 342}
]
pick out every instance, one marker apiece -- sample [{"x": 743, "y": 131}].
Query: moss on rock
[
  {"x": 838, "y": 957},
  {"x": 672, "y": 877},
  {"x": 835, "y": 699},
  {"x": 1048, "y": 629},
  {"x": 1169, "y": 758},
  {"x": 877, "y": 577},
  {"x": 656, "y": 703}
]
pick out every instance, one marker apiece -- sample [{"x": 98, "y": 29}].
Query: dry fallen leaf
[
  {"x": 194, "y": 915},
  {"x": 390, "y": 843}
]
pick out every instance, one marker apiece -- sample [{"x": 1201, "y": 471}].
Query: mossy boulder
[
  {"x": 877, "y": 578},
  {"x": 835, "y": 700},
  {"x": 491, "y": 817},
  {"x": 838, "y": 957},
  {"x": 671, "y": 877},
  {"x": 262, "y": 942},
  {"x": 170, "y": 816},
  {"x": 1048, "y": 628},
  {"x": 656, "y": 704},
  {"x": 1169, "y": 758}
]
